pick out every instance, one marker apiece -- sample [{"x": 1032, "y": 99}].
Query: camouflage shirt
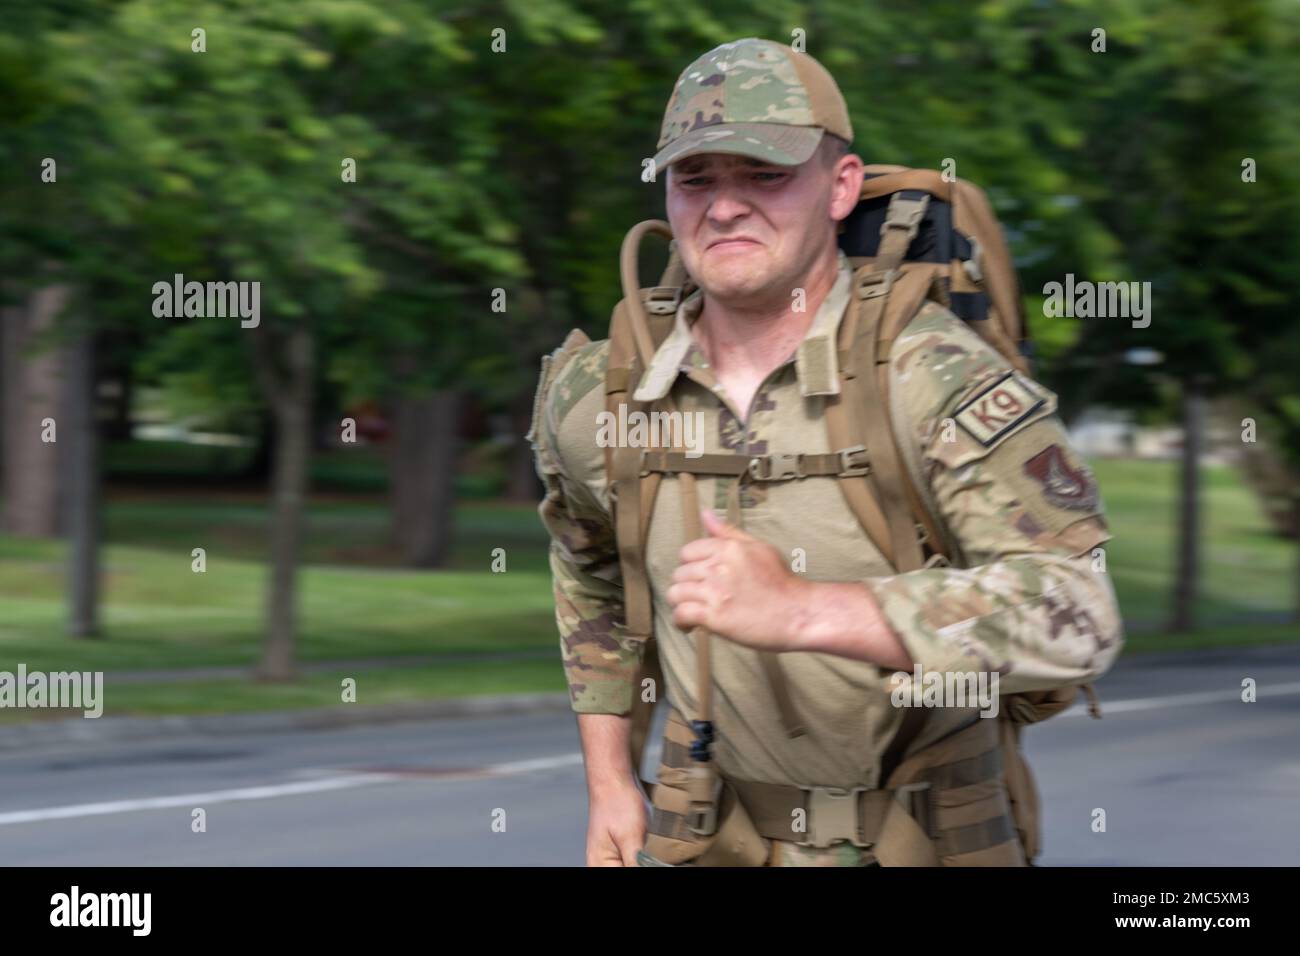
[{"x": 1016, "y": 500}]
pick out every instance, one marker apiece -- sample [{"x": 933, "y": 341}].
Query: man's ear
[{"x": 846, "y": 187}]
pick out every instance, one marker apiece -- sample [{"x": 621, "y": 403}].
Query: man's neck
[{"x": 752, "y": 340}]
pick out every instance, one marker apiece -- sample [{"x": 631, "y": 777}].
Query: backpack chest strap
[{"x": 776, "y": 466}]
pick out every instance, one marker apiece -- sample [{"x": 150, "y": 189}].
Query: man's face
[{"x": 749, "y": 231}]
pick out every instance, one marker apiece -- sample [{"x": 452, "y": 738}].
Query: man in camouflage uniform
[{"x": 754, "y": 143}]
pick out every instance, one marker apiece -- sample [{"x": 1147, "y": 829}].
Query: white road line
[
  {"x": 194, "y": 799},
  {"x": 1184, "y": 700},
  {"x": 348, "y": 781},
  {"x": 336, "y": 782},
  {"x": 541, "y": 763}
]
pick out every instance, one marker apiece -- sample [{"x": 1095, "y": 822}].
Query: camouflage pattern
[
  {"x": 600, "y": 663},
  {"x": 1022, "y": 508},
  {"x": 743, "y": 97},
  {"x": 1031, "y": 607}
]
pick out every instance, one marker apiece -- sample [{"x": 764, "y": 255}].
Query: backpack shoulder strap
[
  {"x": 882, "y": 290},
  {"x": 637, "y": 327},
  {"x": 631, "y": 502}
]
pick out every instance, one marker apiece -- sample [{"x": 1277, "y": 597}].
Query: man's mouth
[{"x": 738, "y": 242}]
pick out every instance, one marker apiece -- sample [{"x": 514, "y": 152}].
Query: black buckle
[{"x": 703, "y": 730}]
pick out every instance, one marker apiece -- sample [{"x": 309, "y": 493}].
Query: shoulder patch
[
  {"x": 1064, "y": 484},
  {"x": 998, "y": 408}
]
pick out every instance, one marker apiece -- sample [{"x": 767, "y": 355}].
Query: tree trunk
[
  {"x": 118, "y": 427},
  {"x": 1187, "y": 574},
  {"x": 32, "y": 388},
  {"x": 259, "y": 463},
  {"x": 423, "y": 473},
  {"x": 291, "y": 405},
  {"x": 82, "y": 477}
]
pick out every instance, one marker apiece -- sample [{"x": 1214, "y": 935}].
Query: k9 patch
[{"x": 998, "y": 408}]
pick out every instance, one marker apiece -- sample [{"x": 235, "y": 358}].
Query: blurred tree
[
  {"x": 228, "y": 163},
  {"x": 393, "y": 174}
]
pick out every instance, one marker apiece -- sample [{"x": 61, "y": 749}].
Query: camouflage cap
[{"x": 753, "y": 98}]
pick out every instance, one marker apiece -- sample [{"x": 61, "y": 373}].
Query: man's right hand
[{"x": 616, "y": 825}]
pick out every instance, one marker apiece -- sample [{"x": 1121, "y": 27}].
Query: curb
[
  {"x": 82, "y": 730},
  {"x": 79, "y": 730}
]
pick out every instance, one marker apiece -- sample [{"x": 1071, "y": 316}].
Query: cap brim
[{"x": 771, "y": 142}]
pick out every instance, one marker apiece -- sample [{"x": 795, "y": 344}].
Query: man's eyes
[{"x": 762, "y": 176}]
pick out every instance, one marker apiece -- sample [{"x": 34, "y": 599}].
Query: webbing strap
[
  {"x": 857, "y": 492},
  {"x": 905, "y": 823},
  {"x": 616, "y": 380},
  {"x": 700, "y": 636},
  {"x": 771, "y": 664},
  {"x": 858, "y": 412},
  {"x": 902, "y": 222},
  {"x": 908, "y": 295},
  {"x": 643, "y": 711},
  {"x": 769, "y": 467},
  {"x": 873, "y": 291},
  {"x": 773, "y": 808},
  {"x": 913, "y": 721},
  {"x": 975, "y": 836},
  {"x": 865, "y": 415},
  {"x": 966, "y": 771},
  {"x": 627, "y": 516},
  {"x": 1021, "y": 790},
  {"x": 895, "y": 824},
  {"x": 880, "y": 439}
]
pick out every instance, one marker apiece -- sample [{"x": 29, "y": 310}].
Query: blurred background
[{"x": 431, "y": 194}]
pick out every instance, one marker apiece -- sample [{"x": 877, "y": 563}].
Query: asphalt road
[{"x": 1186, "y": 773}]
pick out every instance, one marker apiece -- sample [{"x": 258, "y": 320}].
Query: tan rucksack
[{"x": 913, "y": 236}]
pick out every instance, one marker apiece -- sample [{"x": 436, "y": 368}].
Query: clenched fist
[{"x": 739, "y": 588}]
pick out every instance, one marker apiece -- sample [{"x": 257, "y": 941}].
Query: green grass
[
  {"x": 158, "y": 613},
  {"x": 1246, "y": 569},
  {"x": 340, "y": 531},
  {"x": 373, "y": 688},
  {"x": 357, "y": 603}
]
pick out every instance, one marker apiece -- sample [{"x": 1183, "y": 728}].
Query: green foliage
[{"x": 520, "y": 170}]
